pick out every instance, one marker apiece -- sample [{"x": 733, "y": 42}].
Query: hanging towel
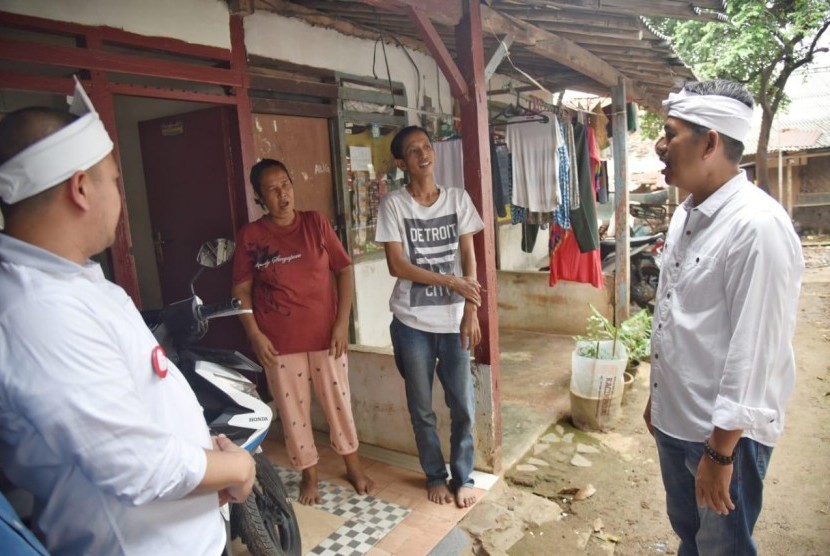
[
  {"x": 584, "y": 218},
  {"x": 535, "y": 163}
]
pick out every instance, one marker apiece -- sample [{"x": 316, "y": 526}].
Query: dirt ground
[{"x": 626, "y": 513}]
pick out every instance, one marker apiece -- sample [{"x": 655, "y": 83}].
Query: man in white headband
[
  {"x": 117, "y": 454},
  {"x": 722, "y": 366}
]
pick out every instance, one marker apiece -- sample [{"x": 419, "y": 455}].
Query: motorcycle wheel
[
  {"x": 266, "y": 522},
  {"x": 645, "y": 290}
]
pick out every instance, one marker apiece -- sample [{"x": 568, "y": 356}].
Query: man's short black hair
[
  {"x": 400, "y": 137},
  {"x": 259, "y": 168},
  {"x": 733, "y": 149},
  {"x": 21, "y": 129}
]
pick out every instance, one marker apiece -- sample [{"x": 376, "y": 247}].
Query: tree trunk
[{"x": 761, "y": 155}]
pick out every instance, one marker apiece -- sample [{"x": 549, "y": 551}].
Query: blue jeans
[
  {"x": 419, "y": 355},
  {"x": 701, "y": 530}
]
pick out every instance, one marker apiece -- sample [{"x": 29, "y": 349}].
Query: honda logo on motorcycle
[{"x": 160, "y": 362}]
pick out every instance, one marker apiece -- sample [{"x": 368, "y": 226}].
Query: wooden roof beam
[
  {"x": 649, "y": 8},
  {"x": 439, "y": 50},
  {"x": 553, "y": 47}
]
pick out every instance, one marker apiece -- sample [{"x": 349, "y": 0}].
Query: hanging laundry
[
  {"x": 631, "y": 117},
  {"x": 568, "y": 262},
  {"x": 584, "y": 218},
  {"x": 593, "y": 153},
  {"x": 602, "y": 194},
  {"x": 498, "y": 177},
  {"x": 574, "y": 167},
  {"x": 562, "y": 215},
  {"x": 529, "y": 234},
  {"x": 535, "y": 163},
  {"x": 601, "y": 127},
  {"x": 449, "y": 163}
]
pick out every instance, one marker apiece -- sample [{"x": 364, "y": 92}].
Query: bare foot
[
  {"x": 465, "y": 497},
  {"x": 361, "y": 482},
  {"x": 309, "y": 493},
  {"x": 439, "y": 494}
]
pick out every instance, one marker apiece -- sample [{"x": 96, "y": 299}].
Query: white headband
[
  {"x": 54, "y": 159},
  {"x": 725, "y": 115}
]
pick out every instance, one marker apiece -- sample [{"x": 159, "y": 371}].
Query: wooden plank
[
  {"x": 593, "y": 31},
  {"x": 110, "y": 35},
  {"x": 171, "y": 94},
  {"x": 498, "y": 57},
  {"x": 596, "y": 19},
  {"x": 551, "y": 46},
  {"x": 377, "y": 97},
  {"x": 439, "y": 52},
  {"x": 622, "y": 276},
  {"x": 293, "y": 86},
  {"x": 292, "y": 108},
  {"x": 24, "y": 82},
  {"x": 812, "y": 200},
  {"x": 93, "y": 59},
  {"x": 371, "y": 117},
  {"x": 38, "y": 24},
  {"x": 651, "y": 8},
  {"x": 369, "y": 81},
  {"x": 440, "y": 11},
  {"x": 263, "y": 65}
]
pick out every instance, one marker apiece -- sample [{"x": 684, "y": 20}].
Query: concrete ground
[{"x": 569, "y": 492}]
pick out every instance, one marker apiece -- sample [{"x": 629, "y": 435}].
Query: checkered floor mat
[{"x": 368, "y": 519}]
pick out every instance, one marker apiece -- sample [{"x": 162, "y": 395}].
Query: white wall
[
  {"x": 195, "y": 21},
  {"x": 293, "y": 40},
  {"x": 373, "y": 286},
  {"x": 511, "y": 256}
]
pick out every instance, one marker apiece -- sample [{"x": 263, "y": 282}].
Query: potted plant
[{"x": 634, "y": 333}]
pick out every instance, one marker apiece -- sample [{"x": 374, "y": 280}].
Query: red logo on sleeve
[{"x": 160, "y": 361}]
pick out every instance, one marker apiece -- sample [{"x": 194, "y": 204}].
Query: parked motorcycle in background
[
  {"x": 266, "y": 522},
  {"x": 645, "y": 266}
]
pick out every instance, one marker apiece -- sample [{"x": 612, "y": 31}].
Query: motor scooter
[
  {"x": 645, "y": 266},
  {"x": 265, "y": 522}
]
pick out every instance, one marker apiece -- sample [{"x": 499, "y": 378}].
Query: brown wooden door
[
  {"x": 188, "y": 169},
  {"x": 303, "y": 145}
]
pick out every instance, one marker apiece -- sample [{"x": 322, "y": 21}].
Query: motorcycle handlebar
[{"x": 231, "y": 307}]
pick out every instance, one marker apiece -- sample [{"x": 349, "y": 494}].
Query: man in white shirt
[
  {"x": 722, "y": 358},
  {"x": 111, "y": 442},
  {"x": 427, "y": 231}
]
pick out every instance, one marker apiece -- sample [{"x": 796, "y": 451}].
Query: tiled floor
[
  {"x": 398, "y": 519},
  {"x": 534, "y": 377}
]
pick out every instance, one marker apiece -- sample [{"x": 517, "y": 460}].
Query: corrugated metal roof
[{"x": 804, "y": 124}]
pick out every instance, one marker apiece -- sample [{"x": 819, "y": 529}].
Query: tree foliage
[{"x": 761, "y": 44}]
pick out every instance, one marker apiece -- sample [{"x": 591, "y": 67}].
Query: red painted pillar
[
  {"x": 247, "y": 208},
  {"x": 478, "y": 182},
  {"x": 121, "y": 252}
]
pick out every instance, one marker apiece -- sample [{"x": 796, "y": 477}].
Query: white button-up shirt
[
  {"x": 727, "y": 301},
  {"x": 110, "y": 449}
]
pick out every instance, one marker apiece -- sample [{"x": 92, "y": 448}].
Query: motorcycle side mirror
[{"x": 215, "y": 253}]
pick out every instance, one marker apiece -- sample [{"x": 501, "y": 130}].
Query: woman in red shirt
[{"x": 292, "y": 270}]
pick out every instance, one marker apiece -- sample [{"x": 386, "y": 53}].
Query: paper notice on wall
[{"x": 361, "y": 158}]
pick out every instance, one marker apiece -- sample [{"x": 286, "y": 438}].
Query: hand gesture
[
  {"x": 468, "y": 288},
  {"x": 264, "y": 350},
  {"x": 238, "y": 492}
]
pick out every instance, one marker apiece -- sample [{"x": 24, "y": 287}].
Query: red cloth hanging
[{"x": 567, "y": 262}]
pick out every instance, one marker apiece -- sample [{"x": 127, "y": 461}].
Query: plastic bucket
[{"x": 597, "y": 384}]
